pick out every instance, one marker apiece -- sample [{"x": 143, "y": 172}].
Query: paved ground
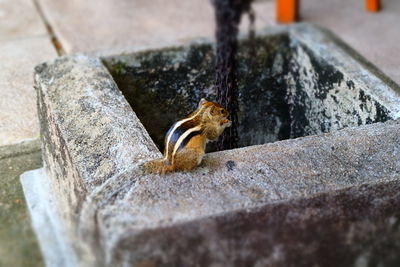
[
  {"x": 117, "y": 25},
  {"x": 18, "y": 120},
  {"x": 24, "y": 42},
  {"x": 17, "y": 242},
  {"x": 111, "y": 26}
]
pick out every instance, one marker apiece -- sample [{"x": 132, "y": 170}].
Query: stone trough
[{"x": 328, "y": 198}]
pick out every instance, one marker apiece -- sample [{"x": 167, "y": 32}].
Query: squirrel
[{"x": 186, "y": 140}]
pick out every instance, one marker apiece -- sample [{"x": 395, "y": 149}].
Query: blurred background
[{"x": 34, "y": 31}]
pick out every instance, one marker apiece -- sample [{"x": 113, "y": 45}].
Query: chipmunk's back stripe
[
  {"x": 174, "y": 137},
  {"x": 188, "y": 138},
  {"x": 171, "y": 131},
  {"x": 182, "y": 138}
]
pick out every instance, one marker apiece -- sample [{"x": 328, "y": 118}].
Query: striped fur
[
  {"x": 185, "y": 138},
  {"x": 179, "y": 136},
  {"x": 206, "y": 123},
  {"x": 178, "y": 129}
]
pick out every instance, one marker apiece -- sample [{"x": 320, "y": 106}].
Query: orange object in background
[
  {"x": 373, "y": 5},
  {"x": 287, "y": 11}
]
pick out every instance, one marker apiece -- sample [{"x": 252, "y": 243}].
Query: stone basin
[
  {"x": 326, "y": 195},
  {"x": 288, "y": 87}
]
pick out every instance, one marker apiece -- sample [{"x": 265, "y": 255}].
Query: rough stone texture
[
  {"x": 18, "y": 116},
  {"x": 373, "y": 35},
  {"x": 116, "y": 26},
  {"x": 331, "y": 90},
  {"x": 328, "y": 200},
  {"x": 291, "y": 84},
  {"x": 18, "y": 246},
  {"x": 19, "y": 19},
  {"x": 41, "y": 204},
  {"x": 83, "y": 88}
]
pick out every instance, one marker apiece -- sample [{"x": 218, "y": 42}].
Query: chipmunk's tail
[{"x": 156, "y": 166}]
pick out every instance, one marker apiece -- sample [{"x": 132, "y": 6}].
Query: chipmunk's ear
[{"x": 202, "y": 101}]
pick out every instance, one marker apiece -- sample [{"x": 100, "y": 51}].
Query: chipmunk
[{"x": 186, "y": 140}]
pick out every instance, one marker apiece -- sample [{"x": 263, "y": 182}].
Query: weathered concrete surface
[
  {"x": 330, "y": 199},
  {"x": 93, "y": 101},
  {"x": 250, "y": 214},
  {"x": 295, "y": 207},
  {"x": 18, "y": 116},
  {"x": 19, "y": 19},
  {"x": 333, "y": 87},
  {"x": 18, "y": 246},
  {"x": 290, "y": 84},
  {"x": 119, "y": 26},
  {"x": 373, "y": 35},
  {"x": 44, "y": 215}
]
